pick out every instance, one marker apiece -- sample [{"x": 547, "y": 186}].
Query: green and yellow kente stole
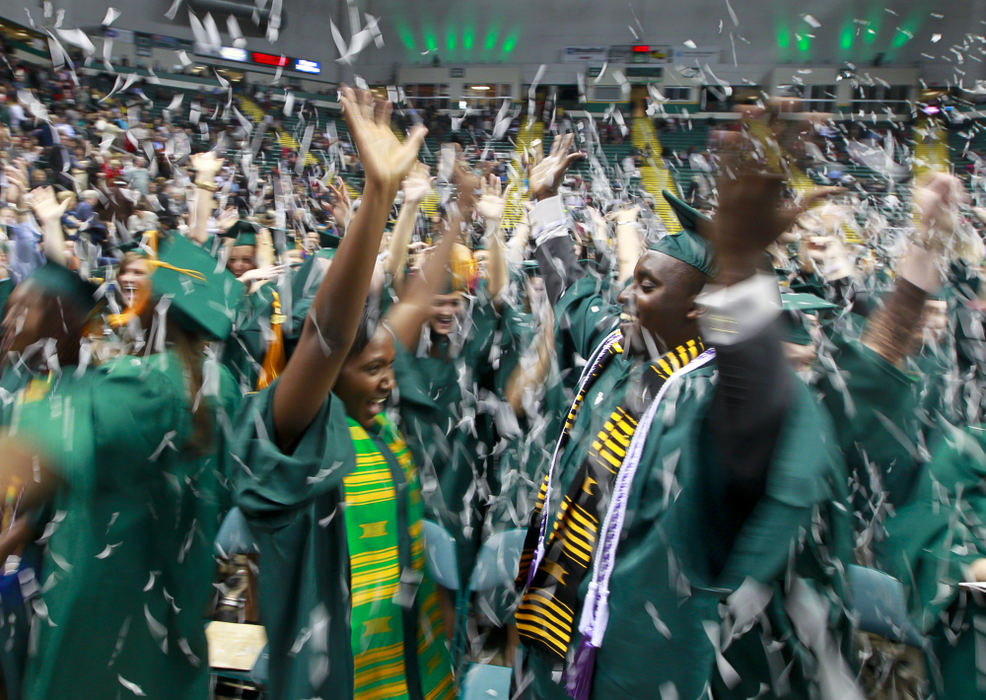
[
  {"x": 397, "y": 633},
  {"x": 547, "y": 616}
]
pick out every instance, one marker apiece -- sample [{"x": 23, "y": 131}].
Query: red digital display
[
  {"x": 267, "y": 59},
  {"x": 641, "y": 48}
]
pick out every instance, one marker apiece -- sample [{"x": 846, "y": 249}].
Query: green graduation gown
[
  {"x": 931, "y": 541},
  {"x": 663, "y": 600},
  {"x": 129, "y": 565},
  {"x": 294, "y": 504},
  {"x": 439, "y": 416},
  {"x": 244, "y": 351}
]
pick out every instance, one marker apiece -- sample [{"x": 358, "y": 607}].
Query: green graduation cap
[
  {"x": 795, "y": 305},
  {"x": 246, "y": 239},
  {"x": 204, "y": 295},
  {"x": 59, "y": 281},
  {"x": 687, "y": 245},
  {"x": 242, "y": 227},
  {"x": 328, "y": 240}
]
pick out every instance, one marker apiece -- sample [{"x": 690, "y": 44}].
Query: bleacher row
[{"x": 664, "y": 162}]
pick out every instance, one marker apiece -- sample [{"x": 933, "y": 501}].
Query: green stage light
[
  {"x": 431, "y": 41},
  {"x": 846, "y": 37},
  {"x": 804, "y": 43},
  {"x": 490, "y": 41},
  {"x": 510, "y": 42},
  {"x": 468, "y": 38},
  {"x": 783, "y": 37},
  {"x": 407, "y": 36},
  {"x": 450, "y": 40}
]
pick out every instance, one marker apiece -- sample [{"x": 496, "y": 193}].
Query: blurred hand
[
  {"x": 45, "y": 205},
  {"x": 342, "y": 206},
  {"x": 751, "y": 213},
  {"x": 546, "y": 174},
  {"x": 261, "y": 273},
  {"x": 206, "y": 165},
  {"x": 491, "y": 202},
  {"x": 938, "y": 197},
  {"x": 417, "y": 184},
  {"x": 385, "y": 159}
]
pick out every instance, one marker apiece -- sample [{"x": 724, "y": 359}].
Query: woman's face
[
  {"x": 445, "y": 309},
  {"x": 367, "y": 379},
  {"x": 135, "y": 281},
  {"x": 241, "y": 259}
]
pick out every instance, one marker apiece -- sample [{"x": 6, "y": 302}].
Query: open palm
[{"x": 385, "y": 159}]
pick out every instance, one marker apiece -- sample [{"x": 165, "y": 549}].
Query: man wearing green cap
[{"x": 673, "y": 491}]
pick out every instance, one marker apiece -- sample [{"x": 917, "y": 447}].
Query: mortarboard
[
  {"x": 204, "y": 295},
  {"x": 59, "y": 281},
  {"x": 793, "y": 305},
  {"x": 328, "y": 240},
  {"x": 687, "y": 245}
]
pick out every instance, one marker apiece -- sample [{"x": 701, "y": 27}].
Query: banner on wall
[
  {"x": 585, "y": 54},
  {"x": 684, "y": 55}
]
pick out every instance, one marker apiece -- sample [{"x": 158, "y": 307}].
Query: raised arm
[
  {"x": 206, "y": 166},
  {"x": 416, "y": 186},
  {"x": 890, "y": 330},
  {"x": 49, "y": 212},
  {"x": 331, "y": 324},
  {"x": 549, "y": 226},
  {"x": 741, "y": 307},
  {"x": 628, "y": 243},
  {"x": 407, "y": 315},
  {"x": 490, "y": 207}
]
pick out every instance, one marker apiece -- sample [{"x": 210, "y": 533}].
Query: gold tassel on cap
[{"x": 274, "y": 359}]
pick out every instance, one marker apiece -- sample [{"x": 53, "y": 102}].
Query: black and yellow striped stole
[{"x": 547, "y": 615}]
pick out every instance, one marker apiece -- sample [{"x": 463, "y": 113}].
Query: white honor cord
[{"x": 595, "y": 609}]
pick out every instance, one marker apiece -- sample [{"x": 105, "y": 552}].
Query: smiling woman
[{"x": 367, "y": 376}]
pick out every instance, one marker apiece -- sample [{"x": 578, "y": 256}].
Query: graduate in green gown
[
  {"x": 296, "y": 450},
  {"x": 398, "y": 639},
  {"x": 935, "y": 540},
  {"x": 669, "y": 488},
  {"x": 451, "y": 358},
  {"x": 48, "y": 309},
  {"x": 126, "y": 455}
]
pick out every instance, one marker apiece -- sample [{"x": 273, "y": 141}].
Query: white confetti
[{"x": 132, "y": 687}]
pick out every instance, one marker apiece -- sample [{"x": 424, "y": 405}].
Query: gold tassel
[{"x": 274, "y": 359}]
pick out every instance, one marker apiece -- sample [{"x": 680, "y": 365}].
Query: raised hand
[
  {"x": 229, "y": 217},
  {"x": 938, "y": 197},
  {"x": 385, "y": 159},
  {"x": 342, "y": 207},
  {"x": 491, "y": 202},
  {"x": 546, "y": 174},
  {"x": 206, "y": 165},
  {"x": 45, "y": 204},
  {"x": 261, "y": 273},
  {"x": 417, "y": 184},
  {"x": 752, "y": 213}
]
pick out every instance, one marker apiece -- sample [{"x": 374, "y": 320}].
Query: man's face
[{"x": 659, "y": 305}]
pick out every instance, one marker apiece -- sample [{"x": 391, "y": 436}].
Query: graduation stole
[
  {"x": 552, "y": 566},
  {"x": 396, "y": 627}
]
